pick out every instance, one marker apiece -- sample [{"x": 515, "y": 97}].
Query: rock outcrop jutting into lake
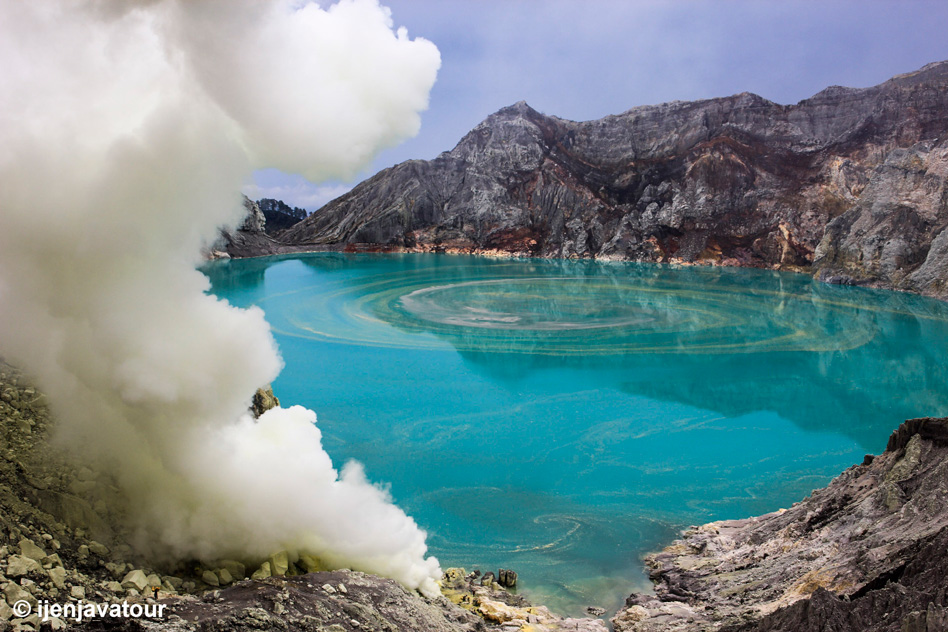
[
  {"x": 849, "y": 184},
  {"x": 867, "y": 552}
]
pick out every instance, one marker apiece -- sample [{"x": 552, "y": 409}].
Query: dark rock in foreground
[
  {"x": 849, "y": 183},
  {"x": 337, "y": 601},
  {"x": 867, "y": 553}
]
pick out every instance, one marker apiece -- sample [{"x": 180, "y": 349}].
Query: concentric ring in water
[{"x": 514, "y": 312}]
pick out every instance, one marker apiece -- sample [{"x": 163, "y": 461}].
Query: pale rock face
[
  {"x": 224, "y": 576},
  {"x": 254, "y": 222},
  {"x": 57, "y": 575},
  {"x": 263, "y": 572},
  {"x": 896, "y": 232},
  {"x": 279, "y": 563},
  {"x": 236, "y": 570}
]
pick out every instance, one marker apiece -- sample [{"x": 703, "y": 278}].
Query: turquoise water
[{"x": 564, "y": 418}]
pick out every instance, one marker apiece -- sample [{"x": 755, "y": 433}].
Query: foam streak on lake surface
[{"x": 562, "y": 418}]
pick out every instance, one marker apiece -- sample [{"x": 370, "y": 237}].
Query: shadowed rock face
[
  {"x": 735, "y": 181},
  {"x": 868, "y": 552}
]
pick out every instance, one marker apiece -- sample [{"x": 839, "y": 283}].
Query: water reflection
[
  {"x": 226, "y": 275},
  {"x": 733, "y": 341}
]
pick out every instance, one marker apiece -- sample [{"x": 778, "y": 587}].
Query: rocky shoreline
[{"x": 867, "y": 552}]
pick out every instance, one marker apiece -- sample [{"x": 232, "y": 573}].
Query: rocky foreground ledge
[{"x": 867, "y": 553}]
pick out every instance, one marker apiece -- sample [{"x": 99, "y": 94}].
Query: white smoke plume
[{"x": 126, "y": 131}]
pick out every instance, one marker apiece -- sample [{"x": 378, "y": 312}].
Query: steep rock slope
[
  {"x": 896, "y": 231},
  {"x": 869, "y": 552},
  {"x": 250, "y": 239},
  {"x": 737, "y": 180}
]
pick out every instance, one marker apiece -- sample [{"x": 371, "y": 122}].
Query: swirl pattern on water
[
  {"x": 634, "y": 310},
  {"x": 592, "y": 409}
]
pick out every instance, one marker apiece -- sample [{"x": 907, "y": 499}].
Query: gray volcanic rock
[
  {"x": 255, "y": 221},
  {"x": 868, "y": 552},
  {"x": 250, "y": 238},
  {"x": 895, "y": 234},
  {"x": 337, "y": 601},
  {"x": 736, "y": 180}
]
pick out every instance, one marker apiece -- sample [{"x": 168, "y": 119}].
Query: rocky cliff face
[
  {"x": 868, "y": 552},
  {"x": 847, "y": 181},
  {"x": 249, "y": 239},
  {"x": 895, "y": 234}
]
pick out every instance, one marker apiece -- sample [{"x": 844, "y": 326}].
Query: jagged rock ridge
[{"x": 827, "y": 184}]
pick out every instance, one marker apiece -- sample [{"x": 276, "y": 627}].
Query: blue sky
[{"x": 585, "y": 59}]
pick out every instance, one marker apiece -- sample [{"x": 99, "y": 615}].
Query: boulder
[
  {"x": 210, "y": 578},
  {"x": 20, "y": 566},
  {"x": 264, "y": 400},
  {"x": 263, "y": 572},
  {"x": 237, "y": 570},
  {"x": 279, "y": 563},
  {"x": 135, "y": 579},
  {"x": 31, "y": 550},
  {"x": 14, "y": 593},
  {"x": 309, "y": 564},
  {"x": 507, "y": 578},
  {"x": 224, "y": 576},
  {"x": 31, "y": 622},
  {"x": 51, "y": 560},
  {"x": 498, "y": 612},
  {"x": 454, "y": 577},
  {"x": 97, "y": 548},
  {"x": 174, "y": 582},
  {"x": 57, "y": 575}
]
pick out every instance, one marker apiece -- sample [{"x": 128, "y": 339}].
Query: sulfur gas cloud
[{"x": 126, "y": 132}]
